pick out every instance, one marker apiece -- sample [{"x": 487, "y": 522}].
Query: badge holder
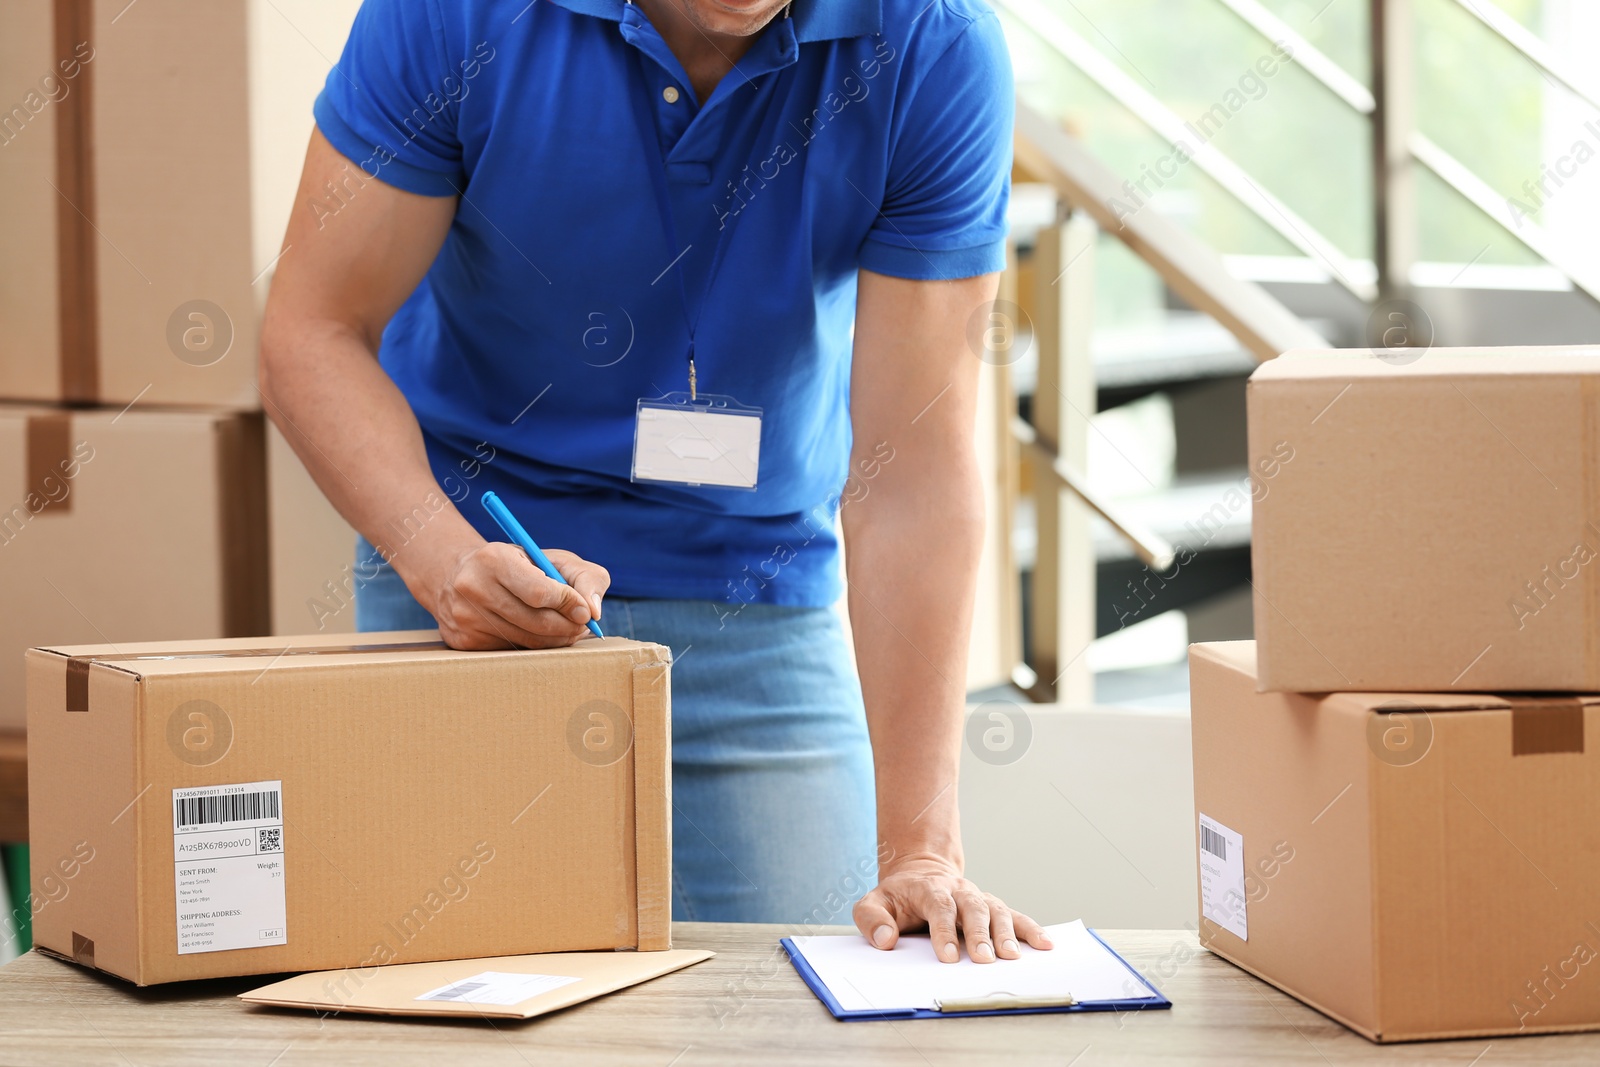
[{"x": 701, "y": 441}]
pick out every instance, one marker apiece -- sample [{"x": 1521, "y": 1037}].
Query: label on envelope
[{"x": 499, "y": 987}]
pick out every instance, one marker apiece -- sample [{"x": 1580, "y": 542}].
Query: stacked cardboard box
[
  {"x": 126, "y": 158},
  {"x": 148, "y": 158},
  {"x": 126, "y": 526},
  {"x": 1399, "y": 815}
]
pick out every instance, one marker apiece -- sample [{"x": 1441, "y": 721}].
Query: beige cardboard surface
[
  {"x": 123, "y": 526},
  {"x": 394, "y": 990},
  {"x": 131, "y": 283},
  {"x": 101, "y": 237},
  {"x": 31, "y": 94},
  {"x": 1437, "y": 526},
  {"x": 435, "y": 804},
  {"x": 171, "y": 85},
  {"x": 1407, "y": 871}
]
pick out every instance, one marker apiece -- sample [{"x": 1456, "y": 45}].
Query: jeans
[{"x": 772, "y": 790}]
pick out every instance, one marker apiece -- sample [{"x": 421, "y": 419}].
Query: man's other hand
[{"x": 930, "y": 893}]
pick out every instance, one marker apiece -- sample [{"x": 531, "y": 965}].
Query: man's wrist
[
  {"x": 428, "y": 561},
  {"x": 913, "y": 849},
  {"x": 930, "y": 830},
  {"x": 891, "y": 861}
]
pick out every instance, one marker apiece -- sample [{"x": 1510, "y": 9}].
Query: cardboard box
[
  {"x": 148, "y": 161},
  {"x": 1429, "y": 525},
  {"x": 117, "y": 527},
  {"x": 126, "y": 143},
  {"x": 392, "y": 801},
  {"x": 1412, "y": 865}
]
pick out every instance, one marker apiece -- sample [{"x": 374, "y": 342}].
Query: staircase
[{"x": 1166, "y": 242}]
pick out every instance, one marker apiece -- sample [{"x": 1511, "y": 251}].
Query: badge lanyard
[{"x": 698, "y": 439}]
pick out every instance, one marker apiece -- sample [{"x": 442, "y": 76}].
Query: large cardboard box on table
[
  {"x": 1413, "y": 865},
  {"x": 1435, "y": 521},
  {"x": 129, "y": 526},
  {"x": 249, "y": 807}
]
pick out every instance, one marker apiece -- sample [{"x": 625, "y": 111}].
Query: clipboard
[{"x": 808, "y": 974}]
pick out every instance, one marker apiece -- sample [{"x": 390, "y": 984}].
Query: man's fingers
[
  {"x": 498, "y": 598},
  {"x": 545, "y": 625},
  {"x": 506, "y": 632},
  {"x": 482, "y": 613},
  {"x": 476, "y": 629},
  {"x": 470, "y": 638},
  {"x": 528, "y": 584},
  {"x": 940, "y": 911},
  {"x": 973, "y": 914},
  {"x": 877, "y": 925},
  {"x": 561, "y": 616},
  {"x": 590, "y": 579},
  {"x": 1002, "y": 930},
  {"x": 1030, "y": 931}
]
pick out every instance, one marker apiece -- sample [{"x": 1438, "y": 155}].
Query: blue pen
[{"x": 508, "y": 522}]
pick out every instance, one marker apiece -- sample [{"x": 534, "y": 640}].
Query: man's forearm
[
  {"x": 356, "y": 434},
  {"x": 338, "y": 282},
  {"x": 912, "y": 547}
]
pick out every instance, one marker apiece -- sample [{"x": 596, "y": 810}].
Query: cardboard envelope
[{"x": 495, "y": 987}]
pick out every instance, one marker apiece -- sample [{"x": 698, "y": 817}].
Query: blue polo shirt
[{"x": 854, "y": 134}]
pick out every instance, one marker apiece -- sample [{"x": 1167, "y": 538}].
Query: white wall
[
  {"x": 1095, "y": 819},
  {"x": 1572, "y": 213},
  {"x": 293, "y": 45}
]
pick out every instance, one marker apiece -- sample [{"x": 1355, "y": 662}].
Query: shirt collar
[
  {"x": 814, "y": 20},
  {"x": 826, "y": 20}
]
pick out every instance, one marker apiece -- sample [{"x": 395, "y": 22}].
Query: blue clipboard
[{"x": 809, "y": 976}]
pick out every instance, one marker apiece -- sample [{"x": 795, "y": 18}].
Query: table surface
[{"x": 746, "y": 1006}]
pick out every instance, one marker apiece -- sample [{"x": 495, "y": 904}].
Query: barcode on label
[
  {"x": 459, "y": 991},
  {"x": 228, "y": 807},
  {"x": 1213, "y": 842}
]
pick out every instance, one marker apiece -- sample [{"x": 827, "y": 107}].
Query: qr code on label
[{"x": 271, "y": 839}]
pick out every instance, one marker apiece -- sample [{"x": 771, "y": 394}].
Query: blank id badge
[{"x": 706, "y": 441}]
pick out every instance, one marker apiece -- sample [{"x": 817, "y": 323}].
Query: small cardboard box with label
[
  {"x": 1435, "y": 522},
  {"x": 1412, "y": 865},
  {"x": 237, "y": 807}
]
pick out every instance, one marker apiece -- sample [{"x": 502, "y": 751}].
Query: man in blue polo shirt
[{"x": 605, "y": 258}]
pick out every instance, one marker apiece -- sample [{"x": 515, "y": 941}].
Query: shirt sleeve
[
  {"x": 386, "y": 105},
  {"x": 944, "y": 210}
]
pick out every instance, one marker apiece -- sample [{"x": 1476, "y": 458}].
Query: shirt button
[{"x": 670, "y": 94}]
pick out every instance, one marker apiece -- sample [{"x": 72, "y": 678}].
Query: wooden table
[{"x": 744, "y": 1007}]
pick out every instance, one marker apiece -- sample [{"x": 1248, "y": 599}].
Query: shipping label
[
  {"x": 227, "y": 845},
  {"x": 1222, "y": 897}
]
